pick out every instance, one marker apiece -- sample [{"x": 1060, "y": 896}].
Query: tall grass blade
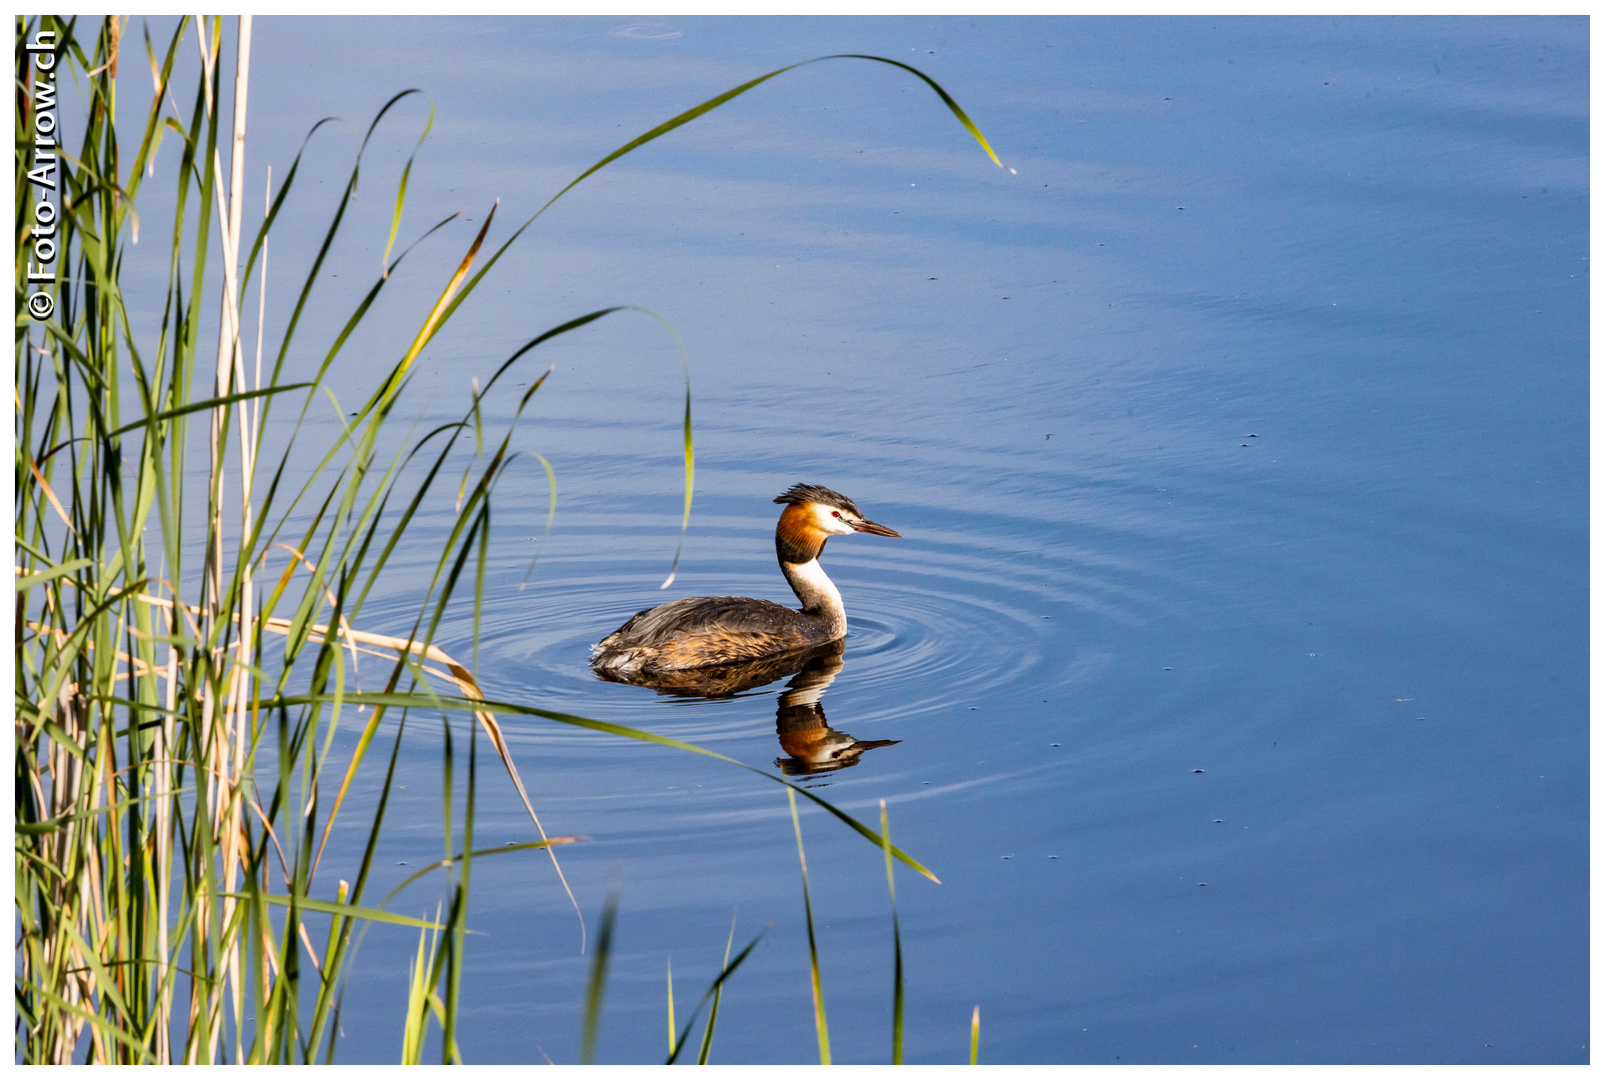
[
  {"x": 897, "y": 944},
  {"x": 401, "y": 193},
  {"x": 598, "y": 984},
  {"x": 419, "y": 993},
  {"x": 440, "y": 310},
  {"x": 349, "y": 911},
  {"x": 729, "y": 95},
  {"x": 975, "y": 1035},
  {"x": 446, "y": 864},
  {"x": 459, "y": 909},
  {"x": 718, "y": 983},
  {"x": 713, "y": 1010},
  {"x": 482, "y": 705},
  {"x": 672, "y": 1043},
  {"x": 821, "y": 1028}
]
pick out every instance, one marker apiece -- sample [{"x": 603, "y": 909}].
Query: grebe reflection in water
[
  {"x": 810, "y": 743},
  {"x": 702, "y": 631}
]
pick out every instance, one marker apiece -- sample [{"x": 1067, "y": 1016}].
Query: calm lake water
[{"x": 1236, "y": 645}]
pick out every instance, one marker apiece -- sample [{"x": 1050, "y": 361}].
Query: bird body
[{"x": 702, "y": 631}]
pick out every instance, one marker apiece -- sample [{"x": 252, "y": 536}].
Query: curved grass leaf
[
  {"x": 713, "y": 1010},
  {"x": 897, "y": 945},
  {"x": 481, "y": 705},
  {"x": 598, "y": 983},
  {"x": 350, "y": 911},
  {"x": 728, "y": 970},
  {"x": 821, "y": 1028}
]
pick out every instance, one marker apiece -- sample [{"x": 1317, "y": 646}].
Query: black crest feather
[{"x": 813, "y": 493}]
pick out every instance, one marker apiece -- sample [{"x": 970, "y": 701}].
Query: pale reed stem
[
  {"x": 165, "y": 739},
  {"x": 228, "y": 739},
  {"x": 211, "y": 586}
]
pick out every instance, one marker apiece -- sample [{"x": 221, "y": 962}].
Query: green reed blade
[
  {"x": 101, "y": 1024},
  {"x": 713, "y": 1010},
  {"x": 459, "y": 926},
  {"x": 670, "y": 968},
  {"x": 42, "y": 576},
  {"x": 729, "y": 970},
  {"x": 897, "y": 944},
  {"x": 415, "y": 1024},
  {"x": 598, "y": 982},
  {"x": 699, "y": 110},
  {"x": 821, "y": 1028},
  {"x": 480, "y": 854},
  {"x": 351, "y": 911},
  {"x": 201, "y": 406},
  {"x": 401, "y": 191},
  {"x": 49, "y": 825},
  {"x": 446, "y": 701}
]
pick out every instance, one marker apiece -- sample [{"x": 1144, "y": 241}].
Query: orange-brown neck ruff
[{"x": 797, "y": 539}]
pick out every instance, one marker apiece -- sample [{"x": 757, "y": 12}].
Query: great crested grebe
[{"x": 701, "y": 631}]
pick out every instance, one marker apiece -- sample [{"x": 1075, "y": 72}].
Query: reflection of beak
[
  {"x": 871, "y": 527},
  {"x": 823, "y": 750}
]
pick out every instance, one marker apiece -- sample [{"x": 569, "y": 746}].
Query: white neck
[{"x": 818, "y": 594}]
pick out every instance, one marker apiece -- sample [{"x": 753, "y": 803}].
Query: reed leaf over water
[
  {"x": 678, "y": 1044},
  {"x": 821, "y": 1026},
  {"x": 897, "y": 944}
]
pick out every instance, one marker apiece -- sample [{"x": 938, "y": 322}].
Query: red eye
[{"x": 835, "y": 513}]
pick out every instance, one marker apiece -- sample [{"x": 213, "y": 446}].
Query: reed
[
  {"x": 821, "y": 1025},
  {"x": 598, "y": 984},
  {"x": 897, "y": 944},
  {"x": 189, "y": 603},
  {"x": 718, "y": 992},
  {"x": 678, "y": 1043},
  {"x": 674, "y": 1044}
]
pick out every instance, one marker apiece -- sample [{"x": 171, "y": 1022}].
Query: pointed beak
[{"x": 871, "y": 527}]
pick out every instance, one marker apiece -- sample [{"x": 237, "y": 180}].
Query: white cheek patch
[{"x": 830, "y": 523}]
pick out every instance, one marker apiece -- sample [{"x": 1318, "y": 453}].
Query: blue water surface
[{"x": 1237, "y": 432}]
